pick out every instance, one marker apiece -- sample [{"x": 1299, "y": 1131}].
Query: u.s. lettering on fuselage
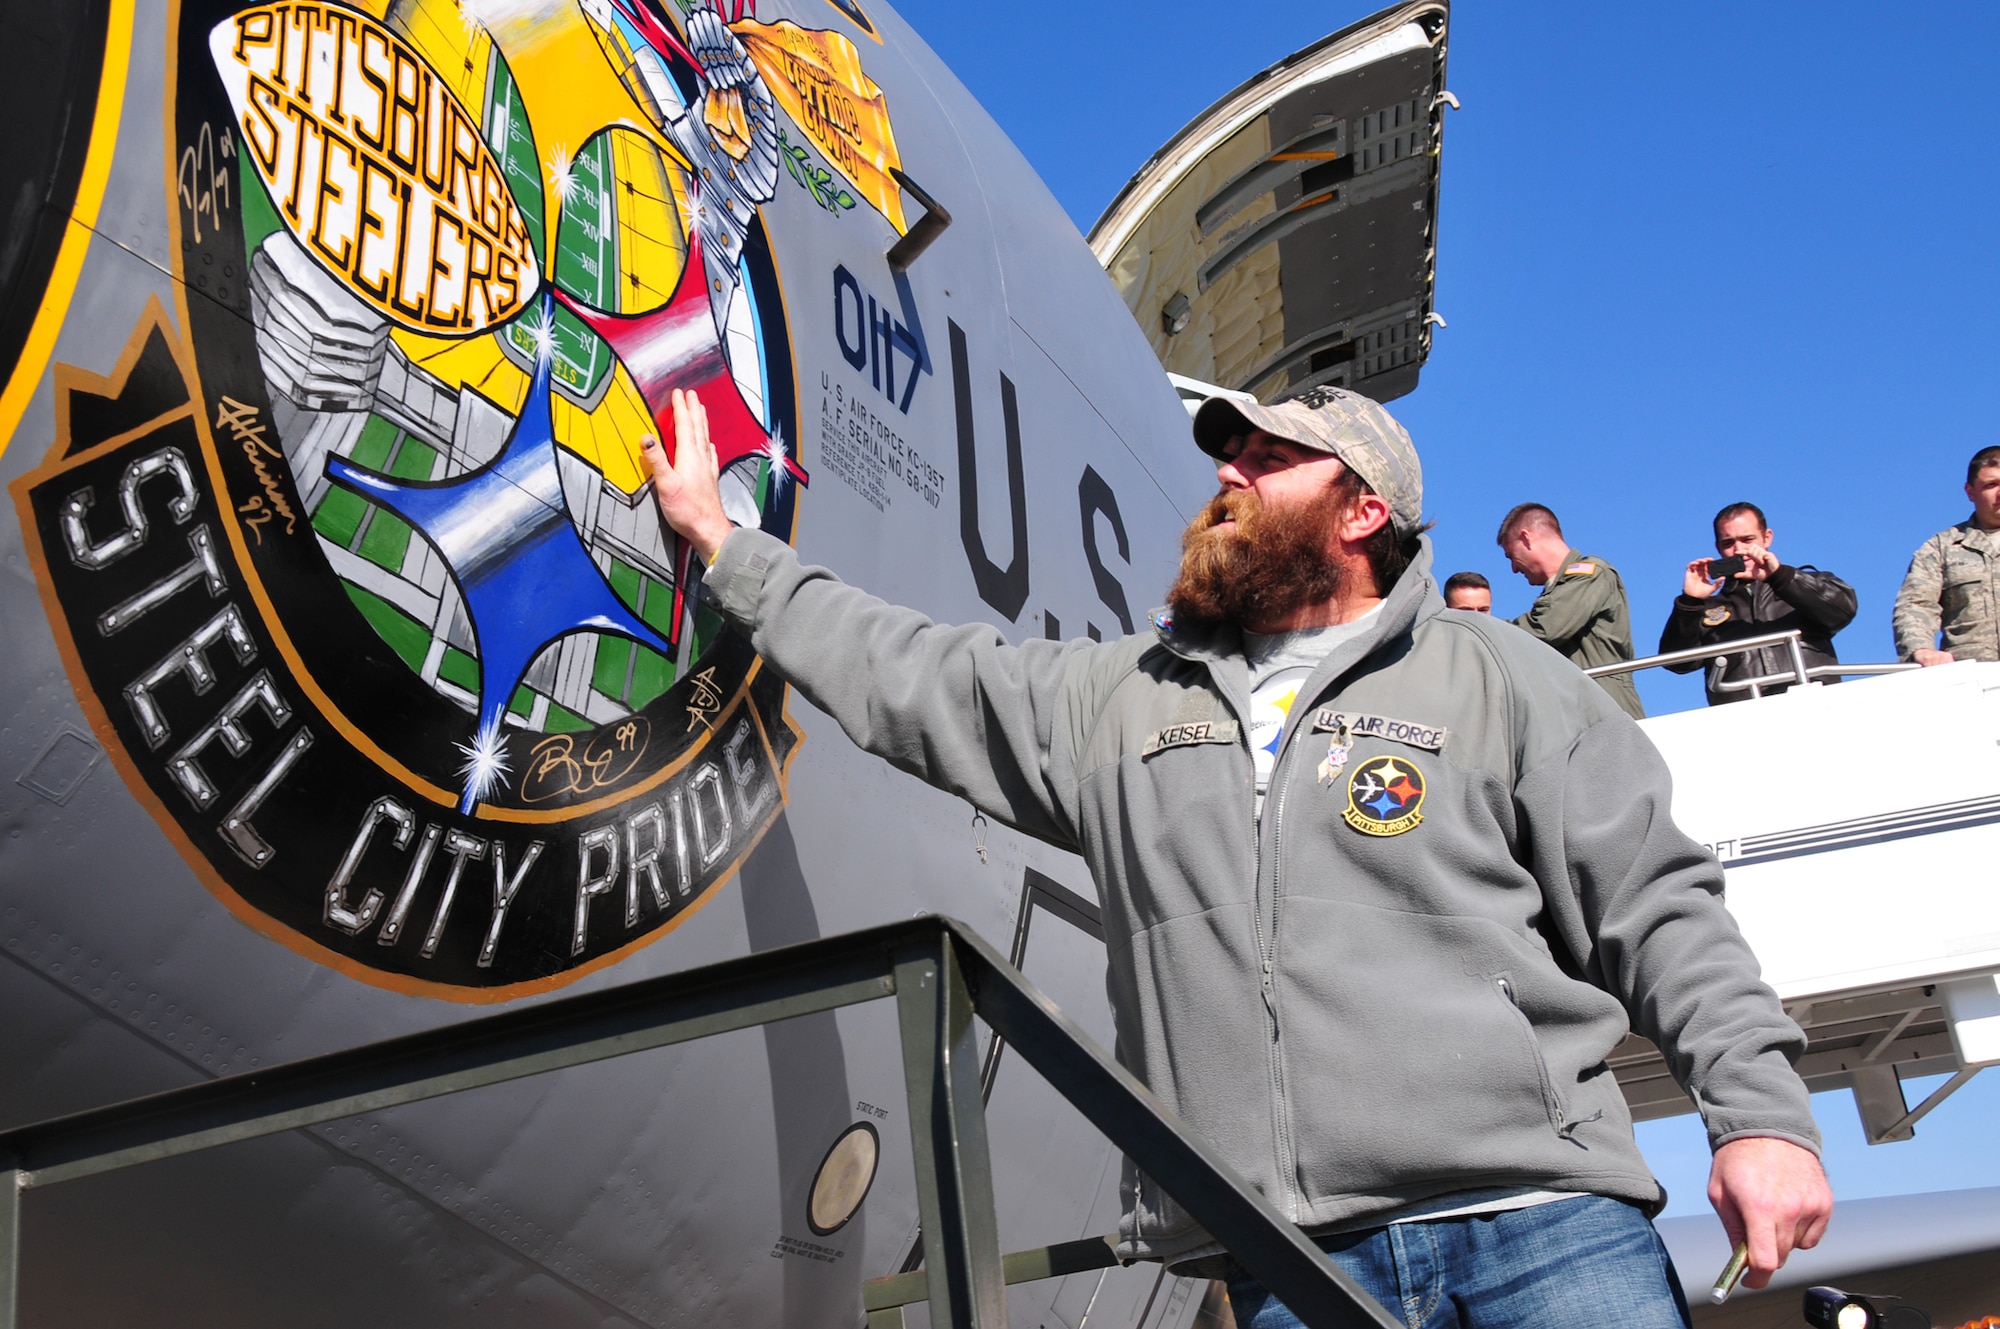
[{"x": 886, "y": 342}]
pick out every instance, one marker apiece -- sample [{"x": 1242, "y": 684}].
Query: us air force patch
[
  {"x": 1715, "y": 616},
  {"x": 1384, "y": 795},
  {"x": 1428, "y": 737}
]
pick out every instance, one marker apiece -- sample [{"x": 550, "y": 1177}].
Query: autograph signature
[
  {"x": 204, "y": 180},
  {"x": 248, "y": 432},
  {"x": 559, "y": 765}
]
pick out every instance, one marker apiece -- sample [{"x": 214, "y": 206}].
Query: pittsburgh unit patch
[{"x": 1384, "y": 795}]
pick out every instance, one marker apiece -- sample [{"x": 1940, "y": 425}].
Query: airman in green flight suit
[{"x": 1582, "y": 610}]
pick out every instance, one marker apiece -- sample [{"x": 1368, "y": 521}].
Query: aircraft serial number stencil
[{"x": 353, "y": 557}]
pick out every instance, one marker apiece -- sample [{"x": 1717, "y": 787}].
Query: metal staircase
[{"x": 941, "y": 976}]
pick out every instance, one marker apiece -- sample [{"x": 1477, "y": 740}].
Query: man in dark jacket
[
  {"x": 1762, "y": 597},
  {"x": 1393, "y": 1018}
]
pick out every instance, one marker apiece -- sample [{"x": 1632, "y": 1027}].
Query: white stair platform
[{"x": 1859, "y": 827}]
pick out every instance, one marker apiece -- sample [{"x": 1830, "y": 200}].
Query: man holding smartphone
[{"x": 1749, "y": 592}]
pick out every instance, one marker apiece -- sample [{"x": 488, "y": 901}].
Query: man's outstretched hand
[
  {"x": 1772, "y": 1194},
  {"x": 686, "y": 487}
]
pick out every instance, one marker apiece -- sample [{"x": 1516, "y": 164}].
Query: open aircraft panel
[
  {"x": 353, "y": 683},
  {"x": 1286, "y": 238}
]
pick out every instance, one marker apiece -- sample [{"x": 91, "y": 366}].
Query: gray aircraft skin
[{"x": 306, "y": 745}]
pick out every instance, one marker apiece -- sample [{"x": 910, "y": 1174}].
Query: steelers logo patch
[{"x": 1384, "y": 795}]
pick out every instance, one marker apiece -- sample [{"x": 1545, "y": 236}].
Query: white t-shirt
[{"x": 1280, "y": 663}]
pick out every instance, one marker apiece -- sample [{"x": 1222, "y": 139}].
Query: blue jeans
[{"x": 1572, "y": 1264}]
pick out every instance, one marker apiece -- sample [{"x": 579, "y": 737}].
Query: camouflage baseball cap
[{"x": 1350, "y": 426}]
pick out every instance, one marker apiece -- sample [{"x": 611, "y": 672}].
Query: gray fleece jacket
[{"x": 1404, "y": 980}]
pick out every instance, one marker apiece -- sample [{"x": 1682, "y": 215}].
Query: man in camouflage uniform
[
  {"x": 1954, "y": 580},
  {"x": 1581, "y": 610}
]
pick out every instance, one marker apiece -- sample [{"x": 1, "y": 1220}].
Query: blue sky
[{"x": 1689, "y": 255}]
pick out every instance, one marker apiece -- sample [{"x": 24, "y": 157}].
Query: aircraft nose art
[
  {"x": 383, "y": 624},
  {"x": 341, "y": 610}
]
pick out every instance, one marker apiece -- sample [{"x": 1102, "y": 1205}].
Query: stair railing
[
  {"x": 1715, "y": 657},
  {"x": 941, "y": 974}
]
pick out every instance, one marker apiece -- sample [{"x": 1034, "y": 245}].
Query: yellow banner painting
[{"x": 816, "y": 76}]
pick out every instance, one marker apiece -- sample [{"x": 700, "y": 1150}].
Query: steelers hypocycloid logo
[{"x": 1384, "y": 795}]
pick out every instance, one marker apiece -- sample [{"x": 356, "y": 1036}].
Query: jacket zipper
[
  {"x": 1287, "y": 1164},
  {"x": 1267, "y": 946}
]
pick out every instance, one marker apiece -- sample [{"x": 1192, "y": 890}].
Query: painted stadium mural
[{"x": 444, "y": 264}]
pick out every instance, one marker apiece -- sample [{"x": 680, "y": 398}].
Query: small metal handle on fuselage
[{"x": 926, "y": 229}]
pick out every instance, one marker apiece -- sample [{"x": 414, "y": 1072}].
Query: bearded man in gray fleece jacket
[{"x": 1383, "y": 883}]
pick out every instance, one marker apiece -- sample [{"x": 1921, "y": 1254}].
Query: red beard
[{"x": 1272, "y": 562}]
